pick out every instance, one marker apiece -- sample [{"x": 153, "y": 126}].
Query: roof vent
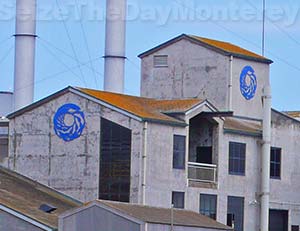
[
  {"x": 160, "y": 60},
  {"x": 47, "y": 208}
]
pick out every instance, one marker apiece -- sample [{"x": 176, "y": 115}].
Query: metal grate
[{"x": 160, "y": 61}]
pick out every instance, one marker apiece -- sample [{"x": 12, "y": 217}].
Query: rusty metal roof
[
  {"x": 225, "y": 48},
  {"x": 294, "y": 114},
  {"x": 145, "y": 108},
  {"x": 25, "y": 196},
  {"x": 238, "y": 125},
  {"x": 158, "y": 215}
]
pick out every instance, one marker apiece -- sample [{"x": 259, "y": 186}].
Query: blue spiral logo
[
  {"x": 248, "y": 83},
  {"x": 69, "y": 122}
]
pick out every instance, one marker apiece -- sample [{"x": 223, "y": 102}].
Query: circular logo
[
  {"x": 69, "y": 122},
  {"x": 248, "y": 83}
]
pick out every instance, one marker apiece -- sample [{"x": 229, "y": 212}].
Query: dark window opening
[
  {"x": 237, "y": 158},
  {"x": 3, "y": 148},
  {"x": 275, "y": 164},
  {"x": 208, "y": 205},
  {"x": 179, "y": 152},
  {"x": 115, "y": 157},
  {"x": 295, "y": 228},
  {"x": 178, "y": 200},
  {"x": 235, "y": 213},
  {"x": 204, "y": 155},
  {"x": 47, "y": 208},
  {"x": 278, "y": 220}
]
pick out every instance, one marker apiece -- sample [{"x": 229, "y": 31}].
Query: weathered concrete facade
[
  {"x": 196, "y": 71},
  {"x": 70, "y": 167}
]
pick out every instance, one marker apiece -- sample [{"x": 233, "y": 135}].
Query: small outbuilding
[
  {"x": 118, "y": 216},
  {"x": 26, "y": 205}
]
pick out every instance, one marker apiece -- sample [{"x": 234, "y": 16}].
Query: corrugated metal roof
[
  {"x": 228, "y": 47},
  {"x": 158, "y": 215},
  {"x": 294, "y": 114},
  {"x": 243, "y": 126},
  {"x": 225, "y": 48},
  {"x": 145, "y": 108},
  {"x": 25, "y": 196}
]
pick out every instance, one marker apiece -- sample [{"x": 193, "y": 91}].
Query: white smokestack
[
  {"x": 24, "y": 52},
  {"x": 115, "y": 46}
]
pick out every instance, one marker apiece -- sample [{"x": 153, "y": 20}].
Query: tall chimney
[
  {"x": 24, "y": 52},
  {"x": 114, "y": 66}
]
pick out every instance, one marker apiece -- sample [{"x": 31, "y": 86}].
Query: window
[
  {"x": 179, "y": 152},
  {"x": 235, "y": 213},
  {"x": 178, "y": 200},
  {"x": 275, "y": 165},
  {"x": 3, "y": 141},
  {"x": 295, "y": 228},
  {"x": 237, "y": 158},
  {"x": 3, "y": 148},
  {"x": 115, "y": 157},
  {"x": 208, "y": 205},
  {"x": 160, "y": 60}
]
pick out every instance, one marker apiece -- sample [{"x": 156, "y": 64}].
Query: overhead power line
[
  {"x": 242, "y": 38},
  {"x": 71, "y": 43},
  {"x": 86, "y": 44}
]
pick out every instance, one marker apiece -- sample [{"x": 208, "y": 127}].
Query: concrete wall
[
  {"x": 284, "y": 192},
  {"x": 195, "y": 71},
  {"x": 249, "y": 108},
  {"x": 10, "y": 222},
  {"x": 70, "y": 167},
  {"x": 95, "y": 219}
]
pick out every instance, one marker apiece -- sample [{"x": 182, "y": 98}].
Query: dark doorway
[
  {"x": 204, "y": 155},
  {"x": 235, "y": 213},
  {"x": 115, "y": 157},
  {"x": 278, "y": 220}
]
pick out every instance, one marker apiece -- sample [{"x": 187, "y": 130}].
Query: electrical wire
[
  {"x": 277, "y": 26},
  {"x": 71, "y": 43},
  {"x": 86, "y": 44},
  {"x": 242, "y": 38},
  {"x": 6, "y": 54}
]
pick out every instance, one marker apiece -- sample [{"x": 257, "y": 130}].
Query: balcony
[{"x": 206, "y": 173}]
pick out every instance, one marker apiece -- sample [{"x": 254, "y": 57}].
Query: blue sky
[{"x": 149, "y": 24}]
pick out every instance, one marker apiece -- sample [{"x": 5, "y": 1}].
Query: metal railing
[{"x": 202, "y": 172}]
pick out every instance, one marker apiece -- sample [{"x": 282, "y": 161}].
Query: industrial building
[
  {"x": 193, "y": 139},
  {"x": 202, "y": 136}
]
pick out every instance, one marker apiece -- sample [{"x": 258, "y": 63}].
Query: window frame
[
  {"x": 275, "y": 162},
  {"x": 183, "y": 199},
  {"x": 231, "y": 157},
  {"x": 201, "y": 211},
  {"x": 176, "y": 153}
]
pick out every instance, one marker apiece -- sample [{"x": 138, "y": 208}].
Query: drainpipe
[
  {"x": 145, "y": 145},
  {"x": 230, "y": 84},
  {"x": 265, "y": 161}
]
